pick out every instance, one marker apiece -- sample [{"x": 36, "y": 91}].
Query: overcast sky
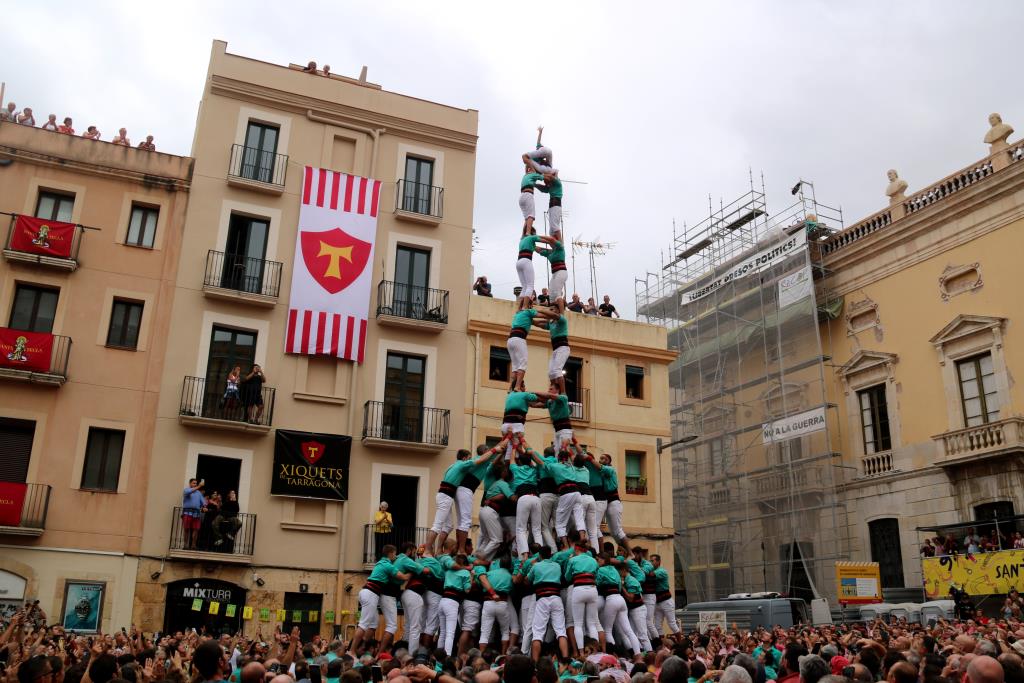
[{"x": 654, "y": 105}]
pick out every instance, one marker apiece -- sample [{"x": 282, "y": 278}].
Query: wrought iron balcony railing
[
  {"x": 202, "y": 401},
  {"x": 412, "y": 302},
  {"x": 399, "y": 422},
  {"x": 242, "y": 274},
  {"x": 419, "y": 198},
  {"x": 258, "y": 165}
]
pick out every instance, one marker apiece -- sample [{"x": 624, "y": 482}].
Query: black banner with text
[{"x": 308, "y": 465}]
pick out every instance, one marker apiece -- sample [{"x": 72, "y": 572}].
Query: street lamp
[{"x": 659, "y": 446}]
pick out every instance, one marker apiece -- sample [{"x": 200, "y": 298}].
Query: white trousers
[
  {"x": 528, "y": 511},
  {"x": 601, "y": 507},
  {"x": 517, "y": 353},
  {"x": 548, "y": 504},
  {"x": 557, "y": 363},
  {"x": 638, "y": 620},
  {"x": 494, "y": 611},
  {"x": 470, "y": 615},
  {"x": 511, "y": 428},
  {"x": 568, "y": 507},
  {"x": 412, "y": 605},
  {"x": 666, "y": 611},
  {"x": 464, "y": 507},
  {"x": 490, "y": 532},
  {"x": 513, "y": 619},
  {"x": 566, "y": 596},
  {"x": 542, "y": 159},
  {"x": 556, "y": 286},
  {"x": 449, "y": 624},
  {"x": 524, "y": 267},
  {"x": 650, "y": 600},
  {"x": 432, "y": 613},
  {"x": 585, "y": 613},
  {"x": 389, "y": 608},
  {"x": 555, "y": 219},
  {"x": 613, "y": 516},
  {"x": 528, "y": 205},
  {"x": 526, "y": 618},
  {"x": 616, "y": 616},
  {"x": 590, "y": 517},
  {"x": 563, "y": 438},
  {"x": 443, "y": 518},
  {"x": 548, "y": 612},
  {"x": 368, "y": 603}
]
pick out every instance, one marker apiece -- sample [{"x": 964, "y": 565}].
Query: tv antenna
[{"x": 594, "y": 249}]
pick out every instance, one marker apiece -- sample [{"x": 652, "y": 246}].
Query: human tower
[{"x": 539, "y": 575}]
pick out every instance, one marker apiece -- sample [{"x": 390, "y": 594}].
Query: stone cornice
[
  {"x": 614, "y": 349},
  {"x": 300, "y": 104},
  {"x": 88, "y": 168}
]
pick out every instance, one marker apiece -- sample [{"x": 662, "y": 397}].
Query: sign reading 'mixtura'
[{"x": 309, "y": 465}]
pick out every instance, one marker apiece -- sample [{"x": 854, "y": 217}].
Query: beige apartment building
[
  {"x": 617, "y": 384},
  {"x": 259, "y": 125},
  {"x": 85, "y": 309}
]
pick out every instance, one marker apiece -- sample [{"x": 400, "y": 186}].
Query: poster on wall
[
  {"x": 83, "y": 606},
  {"x": 792, "y": 426},
  {"x": 762, "y": 260},
  {"x": 795, "y": 287},
  {"x": 309, "y": 465}
]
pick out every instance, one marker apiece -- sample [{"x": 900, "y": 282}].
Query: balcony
[
  {"x": 30, "y": 518},
  {"x": 402, "y": 305},
  {"x": 22, "y": 255},
  {"x": 419, "y": 202},
  {"x": 876, "y": 464},
  {"x": 211, "y": 540},
  {"x": 579, "y": 410},
  {"x": 34, "y": 357},
  {"x": 411, "y": 428},
  {"x": 373, "y": 542},
  {"x": 991, "y": 440},
  {"x": 203, "y": 406},
  {"x": 257, "y": 169},
  {"x": 239, "y": 278},
  {"x": 773, "y": 488}
]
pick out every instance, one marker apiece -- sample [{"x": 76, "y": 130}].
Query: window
[
  {"x": 874, "y": 419},
  {"x": 636, "y": 482},
  {"x": 16, "y": 438},
  {"x": 573, "y": 372},
  {"x": 634, "y": 382},
  {"x": 34, "y": 308},
  {"x": 54, "y": 206},
  {"x": 721, "y": 554},
  {"x": 717, "y": 450},
  {"x": 499, "y": 365},
  {"x": 788, "y": 451},
  {"x": 404, "y": 381},
  {"x": 102, "y": 459},
  {"x": 142, "y": 226},
  {"x": 260, "y": 152},
  {"x": 244, "y": 252},
  {"x": 885, "y": 550},
  {"x": 125, "y": 319},
  {"x": 416, "y": 192},
  {"x": 412, "y": 275},
  {"x": 492, "y": 441},
  {"x": 978, "y": 390}
]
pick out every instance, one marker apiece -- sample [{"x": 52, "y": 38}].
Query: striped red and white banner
[{"x": 333, "y": 266}]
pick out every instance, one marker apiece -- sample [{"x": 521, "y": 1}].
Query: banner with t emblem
[{"x": 333, "y": 267}]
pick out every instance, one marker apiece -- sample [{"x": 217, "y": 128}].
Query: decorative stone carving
[
  {"x": 996, "y": 136},
  {"x": 862, "y": 315},
  {"x": 959, "y": 279},
  {"x": 896, "y": 188}
]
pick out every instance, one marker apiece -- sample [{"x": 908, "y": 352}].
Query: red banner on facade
[
  {"x": 20, "y": 350},
  {"x": 12, "y": 498},
  {"x": 42, "y": 236}
]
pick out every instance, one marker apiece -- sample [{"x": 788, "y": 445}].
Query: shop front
[{"x": 207, "y": 605}]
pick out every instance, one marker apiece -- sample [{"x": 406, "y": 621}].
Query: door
[
  {"x": 403, "y": 397},
  {"x": 885, "y": 550},
  {"x": 244, "y": 254},
  {"x": 412, "y": 273},
  {"x": 34, "y": 308},
  {"x": 400, "y": 493},
  {"x": 795, "y": 572},
  {"x": 419, "y": 179},
  {"x": 228, "y": 348},
  {"x": 260, "y": 152},
  {"x": 220, "y": 474},
  {"x": 16, "y": 438},
  {"x": 304, "y": 604}
]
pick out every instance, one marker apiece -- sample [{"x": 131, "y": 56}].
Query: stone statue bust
[
  {"x": 896, "y": 188},
  {"x": 997, "y": 134}
]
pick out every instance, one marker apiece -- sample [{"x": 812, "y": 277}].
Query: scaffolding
[{"x": 755, "y": 475}]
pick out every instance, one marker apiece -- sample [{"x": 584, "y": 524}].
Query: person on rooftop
[
  {"x": 122, "y": 138},
  {"x": 147, "y": 144},
  {"x": 66, "y": 127}
]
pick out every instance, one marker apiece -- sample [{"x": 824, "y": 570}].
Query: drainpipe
[
  {"x": 476, "y": 386},
  {"x": 375, "y": 133},
  {"x": 343, "y": 542}
]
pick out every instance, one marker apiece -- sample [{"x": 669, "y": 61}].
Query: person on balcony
[
  {"x": 383, "y": 528},
  {"x": 122, "y": 138},
  {"x": 252, "y": 394},
  {"x": 66, "y": 127},
  {"x": 193, "y": 503},
  {"x": 227, "y": 523},
  {"x": 91, "y": 133},
  {"x": 26, "y": 117},
  {"x": 232, "y": 394},
  {"x": 51, "y": 124},
  {"x": 147, "y": 144}
]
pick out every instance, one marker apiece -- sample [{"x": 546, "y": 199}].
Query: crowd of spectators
[
  {"x": 972, "y": 544},
  {"x": 26, "y": 118},
  {"x": 954, "y": 651},
  {"x": 606, "y": 309}
]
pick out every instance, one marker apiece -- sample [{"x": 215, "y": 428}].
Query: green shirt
[
  {"x": 530, "y": 179},
  {"x": 545, "y": 571},
  {"x": 382, "y": 571},
  {"x": 519, "y": 401},
  {"x": 431, "y": 563},
  {"x": 446, "y": 562},
  {"x": 562, "y": 472},
  {"x": 478, "y": 471},
  {"x": 660, "y": 579},
  {"x": 554, "y": 187},
  {"x": 498, "y": 488},
  {"x": 407, "y": 565},
  {"x": 608, "y": 576},
  {"x": 523, "y": 474},
  {"x": 524, "y": 318},
  {"x": 561, "y": 558},
  {"x": 631, "y": 585},
  {"x": 610, "y": 479},
  {"x": 556, "y": 254},
  {"x": 500, "y": 580},
  {"x": 457, "y": 471},
  {"x": 457, "y": 579},
  {"x": 584, "y": 563},
  {"x": 634, "y": 569},
  {"x": 559, "y": 328},
  {"x": 529, "y": 243},
  {"x": 582, "y": 475},
  {"x": 594, "y": 473},
  {"x": 558, "y": 408}
]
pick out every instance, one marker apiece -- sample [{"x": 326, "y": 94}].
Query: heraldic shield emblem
[
  {"x": 312, "y": 451},
  {"x": 334, "y": 258}
]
